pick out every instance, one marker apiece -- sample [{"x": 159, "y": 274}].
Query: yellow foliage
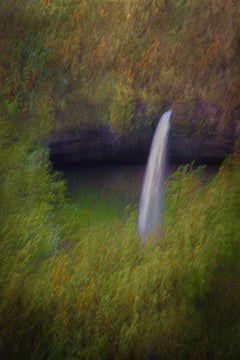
[
  {"x": 59, "y": 277},
  {"x": 81, "y": 9},
  {"x": 86, "y": 298},
  {"x": 130, "y": 301},
  {"x": 46, "y": 4}
]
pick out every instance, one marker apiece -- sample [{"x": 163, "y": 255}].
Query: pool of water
[
  {"x": 108, "y": 191},
  {"x": 105, "y": 191}
]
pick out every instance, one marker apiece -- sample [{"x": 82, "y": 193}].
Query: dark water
[{"x": 108, "y": 191}]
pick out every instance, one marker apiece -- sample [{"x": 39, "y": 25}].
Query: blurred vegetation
[
  {"x": 71, "y": 289},
  {"x": 121, "y": 62},
  {"x": 98, "y": 295}
]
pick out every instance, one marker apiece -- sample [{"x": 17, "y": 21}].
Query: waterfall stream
[{"x": 151, "y": 203}]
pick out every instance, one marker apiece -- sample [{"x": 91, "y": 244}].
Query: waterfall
[{"x": 151, "y": 203}]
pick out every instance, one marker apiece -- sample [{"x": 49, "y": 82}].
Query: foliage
[
  {"x": 176, "y": 52},
  {"x": 101, "y": 58},
  {"x": 71, "y": 289},
  {"x": 101, "y": 296}
]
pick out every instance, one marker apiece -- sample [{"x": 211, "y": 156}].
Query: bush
[{"x": 102, "y": 296}]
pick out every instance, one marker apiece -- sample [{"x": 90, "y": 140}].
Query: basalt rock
[
  {"x": 203, "y": 135},
  {"x": 207, "y": 136},
  {"x": 100, "y": 145}
]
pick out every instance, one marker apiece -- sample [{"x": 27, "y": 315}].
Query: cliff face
[
  {"x": 206, "y": 136},
  {"x": 212, "y": 149},
  {"x": 101, "y": 144}
]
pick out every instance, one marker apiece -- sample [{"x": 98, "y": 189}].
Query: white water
[{"x": 151, "y": 203}]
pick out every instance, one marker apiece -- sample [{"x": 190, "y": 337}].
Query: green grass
[{"x": 102, "y": 296}]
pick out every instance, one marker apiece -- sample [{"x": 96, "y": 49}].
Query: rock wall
[
  {"x": 101, "y": 145},
  {"x": 203, "y": 135}
]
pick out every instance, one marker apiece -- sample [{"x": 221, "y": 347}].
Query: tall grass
[{"x": 102, "y": 296}]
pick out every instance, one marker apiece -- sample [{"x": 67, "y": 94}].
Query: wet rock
[{"x": 203, "y": 134}]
